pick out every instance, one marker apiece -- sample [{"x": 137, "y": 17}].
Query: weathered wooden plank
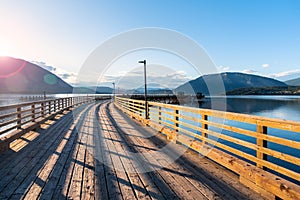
[
  {"x": 45, "y": 172},
  {"x": 55, "y": 175},
  {"x": 142, "y": 182},
  {"x": 220, "y": 190},
  {"x": 88, "y": 179},
  {"x": 184, "y": 186},
  {"x": 124, "y": 184},
  {"x": 153, "y": 181},
  {"x": 74, "y": 191},
  {"x": 114, "y": 191},
  {"x": 20, "y": 184},
  {"x": 101, "y": 191},
  {"x": 19, "y": 144},
  {"x": 155, "y": 176},
  {"x": 16, "y": 162},
  {"x": 62, "y": 186},
  {"x": 10, "y": 159},
  {"x": 133, "y": 178}
]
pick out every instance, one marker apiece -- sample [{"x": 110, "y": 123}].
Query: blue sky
[{"x": 257, "y": 36}]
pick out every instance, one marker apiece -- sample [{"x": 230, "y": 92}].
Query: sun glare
[{"x": 3, "y": 52}]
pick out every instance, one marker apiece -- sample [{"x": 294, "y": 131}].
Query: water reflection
[{"x": 282, "y": 107}]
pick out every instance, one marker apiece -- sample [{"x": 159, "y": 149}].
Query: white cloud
[
  {"x": 286, "y": 75},
  {"x": 223, "y": 68},
  {"x": 69, "y": 77},
  {"x": 158, "y": 79},
  {"x": 249, "y": 71},
  {"x": 265, "y": 65}
]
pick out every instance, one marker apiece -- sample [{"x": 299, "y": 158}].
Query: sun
[{"x": 2, "y": 52}]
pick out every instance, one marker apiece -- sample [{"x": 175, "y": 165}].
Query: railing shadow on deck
[
  {"x": 201, "y": 126},
  {"x": 99, "y": 144},
  {"x": 30, "y": 176},
  {"x": 195, "y": 172},
  {"x": 26, "y": 177}
]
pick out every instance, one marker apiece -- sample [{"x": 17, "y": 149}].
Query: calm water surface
[
  {"x": 8, "y": 99},
  {"x": 280, "y": 107}
]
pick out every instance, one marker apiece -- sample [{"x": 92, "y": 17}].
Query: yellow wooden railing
[{"x": 200, "y": 129}]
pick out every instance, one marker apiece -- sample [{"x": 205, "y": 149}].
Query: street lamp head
[{"x": 142, "y": 61}]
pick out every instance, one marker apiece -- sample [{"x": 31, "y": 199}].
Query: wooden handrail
[
  {"x": 199, "y": 127},
  {"x": 18, "y": 119},
  {"x": 15, "y": 115}
]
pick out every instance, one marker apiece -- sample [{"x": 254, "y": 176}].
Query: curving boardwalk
[{"x": 97, "y": 152}]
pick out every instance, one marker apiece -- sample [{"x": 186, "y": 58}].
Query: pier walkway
[{"x": 95, "y": 151}]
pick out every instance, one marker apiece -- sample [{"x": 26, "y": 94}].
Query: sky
[{"x": 258, "y": 36}]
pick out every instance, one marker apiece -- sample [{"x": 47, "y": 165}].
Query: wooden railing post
[
  {"x": 204, "y": 126},
  {"x": 176, "y": 118},
  {"x": 43, "y": 109},
  {"x": 19, "y": 117},
  {"x": 159, "y": 114},
  {"x": 32, "y": 113},
  {"x": 146, "y": 110},
  {"x": 261, "y": 143},
  {"x": 55, "y": 102},
  {"x": 50, "y": 106},
  {"x": 172, "y": 135}
]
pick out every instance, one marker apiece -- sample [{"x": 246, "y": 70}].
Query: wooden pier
[{"x": 89, "y": 149}]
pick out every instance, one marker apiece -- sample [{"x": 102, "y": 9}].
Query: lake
[
  {"x": 8, "y": 99},
  {"x": 280, "y": 107}
]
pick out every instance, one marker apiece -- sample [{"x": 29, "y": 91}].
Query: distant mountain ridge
[
  {"x": 20, "y": 76},
  {"x": 293, "y": 82},
  {"x": 93, "y": 90},
  {"x": 231, "y": 80},
  {"x": 286, "y": 90}
]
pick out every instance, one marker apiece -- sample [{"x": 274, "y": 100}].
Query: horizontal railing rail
[
  {"x": 270, "y": 145},
  {"x": 15, "y": 120}
]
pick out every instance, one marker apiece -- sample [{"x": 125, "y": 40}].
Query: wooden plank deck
[{"x": 97, "y": 152}]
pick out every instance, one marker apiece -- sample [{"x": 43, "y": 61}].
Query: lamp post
[
  {"x": 114, "y": 93},
  {"x": 145, "y": 93}
]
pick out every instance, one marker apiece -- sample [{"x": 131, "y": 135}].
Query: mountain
[
  {"x": 93, "y": 90},
  {"x": 20, "y": 76},
  {"x": 150, "y": 91},
  {"x": 293, "y": 82},
  {"x": 231, "y": 80},
  {"x": 285, "y": 90}
]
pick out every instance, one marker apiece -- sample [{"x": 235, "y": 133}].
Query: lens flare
[{"x": 9, "y": 68}]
